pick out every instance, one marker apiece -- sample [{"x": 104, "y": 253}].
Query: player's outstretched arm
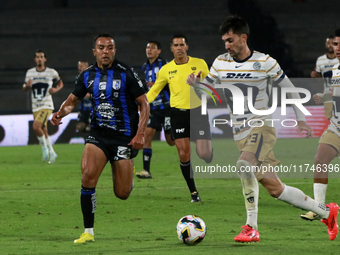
[
  {"x": 138, "y": 141},
  {"x": 66, "y": 107},
  {"x": 193, "y": 79},
  {"x": 157, "y": 87}
]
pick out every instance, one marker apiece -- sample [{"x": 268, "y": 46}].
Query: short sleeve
[
  {"x": 135, "y": 85},
  {"x": 273, "y": 69},
  {"x": 80, "y": 89}
]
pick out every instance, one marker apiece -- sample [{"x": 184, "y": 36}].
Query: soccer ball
[{"x": 191, "y": 229}]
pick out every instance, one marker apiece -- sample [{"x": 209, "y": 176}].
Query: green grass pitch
[{"x": 40, "y": 208}]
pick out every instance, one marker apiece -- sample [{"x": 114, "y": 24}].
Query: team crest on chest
[
  {"x": 257, "y": 66},
  {"x": 116, "y": 84}
]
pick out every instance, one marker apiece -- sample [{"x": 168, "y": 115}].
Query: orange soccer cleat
[
  {"x": 247, "y": 235},
  {"x": 331, "y": 222}
]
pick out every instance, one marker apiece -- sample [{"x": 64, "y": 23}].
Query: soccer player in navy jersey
[
  {"x": 117, "y": 131},
  {"x": 159, "y": 109}
]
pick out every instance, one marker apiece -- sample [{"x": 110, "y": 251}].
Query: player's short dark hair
[
  {"x": 40, "y": 51},
  {"x": 178, "y": 36},
  {"x": 235, "y": 23},
  {"x": 330, "y": 37},
  {"x": 101, "y": 35},
  {"x": 159, "y": 45},
  {"x": 337, "y": 33}
]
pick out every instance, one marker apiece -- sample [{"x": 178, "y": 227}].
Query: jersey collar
[{"x": 246, "y": 59}]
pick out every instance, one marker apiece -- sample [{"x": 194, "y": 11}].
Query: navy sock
[
  {"x": 147, "y": 154},
  {"x": 88, "y": 203}
]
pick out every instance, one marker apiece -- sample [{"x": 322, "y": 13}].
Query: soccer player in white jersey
[
  {"x": 323, "y": 69},
  {"x": 42, "y": 82},
  {"x": 246, "y": 68},
  {"x": 329, "y": 143}
]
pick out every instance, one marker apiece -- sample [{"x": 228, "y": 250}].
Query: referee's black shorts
[{"x": 190, "y": 123}]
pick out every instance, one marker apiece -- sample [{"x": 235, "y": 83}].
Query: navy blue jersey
[
  {"x": 113, "y": 93},
  {"x": 162, "y": 101}
]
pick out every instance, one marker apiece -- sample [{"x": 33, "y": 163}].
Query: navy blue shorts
[{"x": 114, "y": 149}]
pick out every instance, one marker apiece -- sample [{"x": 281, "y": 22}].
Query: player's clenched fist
[{"x": 56, "y": 119}]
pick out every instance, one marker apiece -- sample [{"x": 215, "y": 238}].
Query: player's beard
[
  {"x": 330, "y": 50},
  {"x": 237, "y": 52}
]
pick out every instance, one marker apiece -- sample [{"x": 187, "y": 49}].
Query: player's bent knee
[
  {"x": 245, "y": 169},
  {"x": 88, "y": 181},
  {"x": 184, "y": 156},
  {"x": 275, "y": 193},
  {"x": 123, "y": 195},
  {"x": 274, "y": 190}
]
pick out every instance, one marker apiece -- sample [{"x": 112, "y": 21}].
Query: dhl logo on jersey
[{"x": 239, "y": 76}]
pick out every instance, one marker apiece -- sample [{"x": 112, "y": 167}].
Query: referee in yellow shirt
[{"x": 185, "y": 103}]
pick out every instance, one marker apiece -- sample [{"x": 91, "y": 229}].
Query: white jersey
[
  {"x": 257, "y": 72},
  {"x": 335, "y": 83},
  {"x": 324, "y": 66},
  {"x": 41, "y": 83}
]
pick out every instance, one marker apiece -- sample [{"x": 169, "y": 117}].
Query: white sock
[
  {"x": 89, "y": 230},
  {"x": 320, "y": 191},
  {"x": 250, "y": 191},
  {"x": 299, "y": 199},
  {"x": 49, "y": 144},
  {"x": 42, "y": 141}
]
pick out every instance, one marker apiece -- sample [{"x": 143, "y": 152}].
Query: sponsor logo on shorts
[
  {"x": 124, "y": 152},
  {"x": 180, "y": 130},
  {"x": 91, "y": 139},
  {"x": 201, "y": 132}
]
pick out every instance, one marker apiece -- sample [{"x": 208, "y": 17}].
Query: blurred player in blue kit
[
  {"x": 159, "y": 109},
  {"x": 117, "y": 130}
]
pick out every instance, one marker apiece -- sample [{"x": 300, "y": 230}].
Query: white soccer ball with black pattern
[{"x": 191, "y": 229}]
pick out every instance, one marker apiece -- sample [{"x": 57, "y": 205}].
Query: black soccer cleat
[{"x": 195, "y": 197}]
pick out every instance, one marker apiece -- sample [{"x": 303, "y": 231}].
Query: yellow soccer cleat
[
  {"x": 144, "y": 175},
  {"x": 85, "y": 237},
  {"x": 310, "y": 216}
]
